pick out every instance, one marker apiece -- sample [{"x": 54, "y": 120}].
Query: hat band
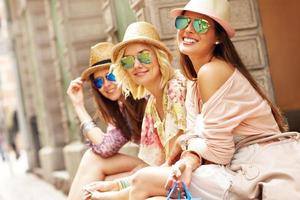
[{"x": 102, "y": 62}]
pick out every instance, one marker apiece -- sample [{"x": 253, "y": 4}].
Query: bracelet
[
  {"x": 123, "y": 183},
  {"x": 86, "y": 126},
  {"x": 184, "y": 143}
]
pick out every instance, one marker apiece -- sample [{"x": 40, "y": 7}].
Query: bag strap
[
  {"x": 186, "y": 191},
  {"x": 265, "y": 138}
]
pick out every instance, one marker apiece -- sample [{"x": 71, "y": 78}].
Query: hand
[
  {"x": 75, "y": 92},
  {"x": 89, "y": 195},
  {"x": 91, "y": 189},
  {"x": 182, "y": 170},
  {"x": 176, "y": 151}
]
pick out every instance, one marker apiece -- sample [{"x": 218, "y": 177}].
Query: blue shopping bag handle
[{"x": 186, "y": 191}]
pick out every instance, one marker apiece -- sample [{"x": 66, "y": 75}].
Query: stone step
[{"x": 61, "y": 180}]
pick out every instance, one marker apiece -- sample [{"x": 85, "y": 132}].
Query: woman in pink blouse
[
  {"x": 235, "y": 146},
  {"x": 143, "y": 67},
  {"x": 123, "y": 116}
]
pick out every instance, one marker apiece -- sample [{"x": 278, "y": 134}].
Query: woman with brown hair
[
  {"x": 122, "y": 115},
  {"x": 236, "y": 146}
]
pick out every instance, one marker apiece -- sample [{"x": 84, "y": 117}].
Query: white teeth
[
  {"x": 110, "y": 91},
  {"x": 189, "y": 40},
  {"x": 140, "y": 73}
]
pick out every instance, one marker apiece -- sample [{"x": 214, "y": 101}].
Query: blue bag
[{"x": 188, "y": 195}]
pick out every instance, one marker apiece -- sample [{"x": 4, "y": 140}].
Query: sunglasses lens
[
  {"x": 144, "y": 57},
  {"x": 181, "y": 22},
  {"x": 111, "y": 77},
  {"x": 98, "y": 82},
  {"x": 127, "y": 62},
  {"x": 200, "y": 25}
]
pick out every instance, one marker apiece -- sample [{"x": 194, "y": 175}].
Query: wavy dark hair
[
  {"x": 226, "y": 51},
  {"x": 128, "y": 118}
]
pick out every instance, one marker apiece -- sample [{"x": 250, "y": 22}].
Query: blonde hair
[{"x": 139, "y": 91}]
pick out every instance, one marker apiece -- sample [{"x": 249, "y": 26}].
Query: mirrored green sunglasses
[
  {"x": 200, "y": 25},
  {"x": 143, "y": 57}
]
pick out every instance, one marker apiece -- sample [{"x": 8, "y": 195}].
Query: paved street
[{"x": 15, "y": 184}]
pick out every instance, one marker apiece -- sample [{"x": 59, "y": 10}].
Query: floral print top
[{"x": 156, "y": 133}]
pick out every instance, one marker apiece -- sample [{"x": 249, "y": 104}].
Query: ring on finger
[{"x": 175, "y": 170}]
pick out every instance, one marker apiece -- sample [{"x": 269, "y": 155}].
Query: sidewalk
[{"x": 15, "y": 184}]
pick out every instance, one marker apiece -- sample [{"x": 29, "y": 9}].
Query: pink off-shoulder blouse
[{"x": 233, "y": 112}]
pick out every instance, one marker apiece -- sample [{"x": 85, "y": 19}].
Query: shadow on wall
[{"x": 293, "y": 118}]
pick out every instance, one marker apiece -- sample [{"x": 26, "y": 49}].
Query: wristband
[
  {"x": 86, "y": 126},
  {"x": 184, "y": 143},
  {"x": 123, "y": 183}
]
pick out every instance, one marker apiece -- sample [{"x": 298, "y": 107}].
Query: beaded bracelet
[{"x": 123, "y": 183}]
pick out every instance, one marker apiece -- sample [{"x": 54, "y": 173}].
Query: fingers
[
  {"x": 176, "y": 190},
  {"x": 170, "y": 182},
  {"x": 75, "y": 85},
  {"x": 175, "y": 174},
  {"x": 91, "y": 187},
  {"x": 181, "y": 166},
  {"x": 77, "y": 81},
  {"x": 178, "y": 193},
  {"x": 187, "y": 176},
  {"x": 87, "y": 194},
  {"x": 176, "y": 171}
]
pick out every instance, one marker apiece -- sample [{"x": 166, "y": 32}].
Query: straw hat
[
  {"x": 218, "y": 10},
  {"x": 140, "y": 32},
  {"x": 100, "y": 58}
]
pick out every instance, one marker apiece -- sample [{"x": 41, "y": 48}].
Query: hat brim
[
  {"x": 91, "y": 70},
  {"x": 227, "y": 27},
  {"x": 117, "y": 48}
]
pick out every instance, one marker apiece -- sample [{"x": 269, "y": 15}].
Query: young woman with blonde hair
[{"x": 142, "y": 64}]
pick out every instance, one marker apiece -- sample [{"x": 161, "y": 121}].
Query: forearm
[
  {"x": 82, "y": 113},
  {"x": 94, "y": 135},
  {"x": 192, "y": 159}
]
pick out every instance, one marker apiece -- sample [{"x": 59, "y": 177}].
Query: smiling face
[
  {"x": 109, "y": 89},
  {"x": 192, "y": 43},
  {"x": 143, "y": 73}
]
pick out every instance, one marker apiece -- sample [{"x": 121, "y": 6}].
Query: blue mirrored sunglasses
[{"x": 99, "y": 81}]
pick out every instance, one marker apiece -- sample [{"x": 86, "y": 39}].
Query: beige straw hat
[
  {"x": 143, "y": 32},
  {"x": 100, "y": 58},
  {"x": 218, "y": 10}
]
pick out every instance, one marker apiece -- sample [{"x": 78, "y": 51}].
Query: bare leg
[
  {"x": 149, "y": 182},
  {"x": 95, "y": 168},
  {"x": 114, "y": 195}
]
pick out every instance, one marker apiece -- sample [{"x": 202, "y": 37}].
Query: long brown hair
[
  {"x": 128, "y": 118},
  {"x": 226, "y": 51}
]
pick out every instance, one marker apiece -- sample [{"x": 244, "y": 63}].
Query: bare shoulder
[{"x": 212, "y": 76}]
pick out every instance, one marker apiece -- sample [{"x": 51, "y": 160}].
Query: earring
[{"x": 217, "y": 42}]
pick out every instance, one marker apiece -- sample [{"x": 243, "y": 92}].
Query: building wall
[
  {"x": 8, "y": 94},
  {"x": 281, "y": 28}
]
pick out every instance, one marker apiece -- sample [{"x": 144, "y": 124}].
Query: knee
[
  {"x": 140, "y": 184},
  {"x": 90, "y": 159},
  {"x": 140, "y": 177}
]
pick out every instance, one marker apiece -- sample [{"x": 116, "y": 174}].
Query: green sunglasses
[
  {"x": 143, "y": 57},
  {"x": 200, "y": 25}
]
